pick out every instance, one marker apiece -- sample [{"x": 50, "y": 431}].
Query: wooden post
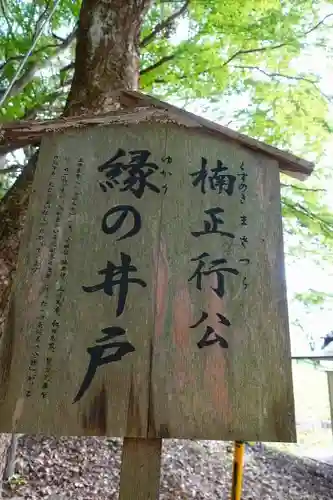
[
  {"x": 330, "y": 392},
  {"x": 140, "y": 469}
]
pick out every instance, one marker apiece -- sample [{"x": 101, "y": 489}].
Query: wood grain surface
[{"x": 166, "y": 386}]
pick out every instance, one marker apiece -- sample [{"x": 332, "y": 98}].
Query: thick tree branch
[
  {"x": 67, "y": 67},
  {"x": 241, "y": 52},
  {"x": 252, "y": 51},
  {"x": 164, "y": 24},
  {"x": 288, "y": 77},
  {"x": 159, "y": 63},
  {"x": 255, "y": 68},
  {"x": 48, "y": 100},
  {"x": 4, "y": 12},
  {"x": 35, "y": 52},
  {"x": 298, "y": 208},
  {"x": 277, "y": 46},
  {"x": 43, "y": 19},
  {"x": 276, "y": 75},
  {"x": 64, "y": 73},
  {"x": 11, "y": 169},
  {"x": 298, "y": 188},
  {"x": 170, "y": 57},
  {"x": 28, "y": 75},
  {"x": 57, "y": 37},
  {"x": 322, "y": 21}
]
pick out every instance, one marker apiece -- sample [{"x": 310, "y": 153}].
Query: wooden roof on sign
[{"x": 132, "y": 107}]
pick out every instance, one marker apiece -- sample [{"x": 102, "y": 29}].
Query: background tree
[{"x": 192, "y": 49}]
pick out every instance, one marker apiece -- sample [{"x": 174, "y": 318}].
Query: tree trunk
[
  {"x": 107, "y": 53},
  {"x": 107, "y": 60}
]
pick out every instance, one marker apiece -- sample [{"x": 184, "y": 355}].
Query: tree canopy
[{"x": 214, "y": 50}]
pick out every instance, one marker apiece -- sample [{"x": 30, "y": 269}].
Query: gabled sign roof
[{"x": 132, "y": 107}]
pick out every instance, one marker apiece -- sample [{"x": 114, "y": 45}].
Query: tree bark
[
  {"x": 107, "y": 53},
  {"x": 107, "y": 60},
  {"x": 12, "y": 216}
]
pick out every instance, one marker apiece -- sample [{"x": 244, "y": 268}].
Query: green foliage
[
  {"x": 217, "y": 50},
  {"x": 313, "y": 297},
  {"x": 38, "y": 88}
]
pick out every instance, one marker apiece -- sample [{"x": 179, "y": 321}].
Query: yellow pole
[{"x": 237, "y": 471}]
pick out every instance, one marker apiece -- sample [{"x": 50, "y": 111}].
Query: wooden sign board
[{"x": 150, "y": 295}]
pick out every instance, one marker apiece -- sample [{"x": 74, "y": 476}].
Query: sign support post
[{"x": 140, "y": 469}]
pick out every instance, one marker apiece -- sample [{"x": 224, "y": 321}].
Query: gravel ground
[{"x": 88, "y": 468}]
